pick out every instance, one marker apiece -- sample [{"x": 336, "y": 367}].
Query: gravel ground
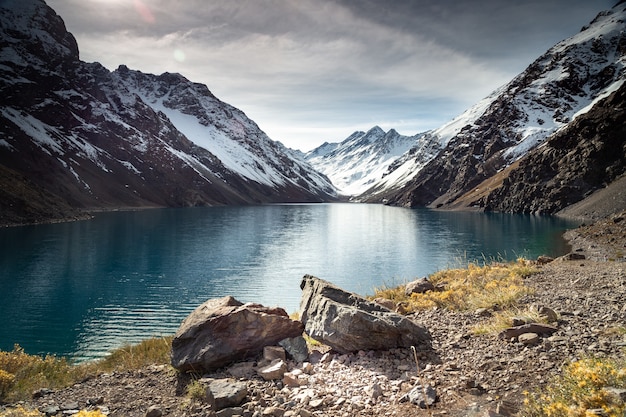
[{"x": 472, "y": 375}]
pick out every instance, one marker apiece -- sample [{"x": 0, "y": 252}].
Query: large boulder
[
  {"x": 347, "y": 322},
  {"x": 224, "y": 330}
]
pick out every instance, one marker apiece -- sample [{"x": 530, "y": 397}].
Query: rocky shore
[{"x": 467, "y": 374}]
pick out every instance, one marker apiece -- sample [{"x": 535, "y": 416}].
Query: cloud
[{"x": 313, "y": 67}]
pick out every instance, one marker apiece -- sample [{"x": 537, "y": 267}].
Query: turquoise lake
[{"x": 83, "y": 288}]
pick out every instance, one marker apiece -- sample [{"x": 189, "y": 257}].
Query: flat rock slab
[
  {"x": 224, "y": 330},
  {"x": 347, "y": 322},
  {"x": 538, "y": 328}
]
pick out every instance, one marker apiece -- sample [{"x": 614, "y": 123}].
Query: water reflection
[{"x": 84, "y": 288}]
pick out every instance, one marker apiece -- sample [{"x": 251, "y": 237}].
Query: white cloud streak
[{"x": 308, "y": 71}]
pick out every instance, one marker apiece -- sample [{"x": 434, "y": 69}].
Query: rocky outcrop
[
  {"x": 347, "y": 322},
  {"x": 224, "y": 330},
  {"x": 550, "y": 95},
  {"x": 586, "y": 156}
]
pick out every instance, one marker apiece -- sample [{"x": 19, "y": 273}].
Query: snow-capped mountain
[
  {"x": 559, "y": 87},
  {"x": 356, "y": 163},
  {"x": 88, "y": 138}
]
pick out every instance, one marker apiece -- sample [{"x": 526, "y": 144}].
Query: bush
[
  {"x": 21, "y": 374},
  {"x": 584, "y": 389},
  {"x": 20, "y": 411}
]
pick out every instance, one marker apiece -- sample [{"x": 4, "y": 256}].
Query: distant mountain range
[
  {"x": 502, "y": 154},
  {"x": 76, "y": 137}
]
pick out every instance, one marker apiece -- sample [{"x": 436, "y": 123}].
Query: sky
[{"x": 314, "y": 71}]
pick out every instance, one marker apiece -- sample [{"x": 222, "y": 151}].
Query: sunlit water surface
[{"x": 81, "y": 289}]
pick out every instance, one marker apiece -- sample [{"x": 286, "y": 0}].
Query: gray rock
[
  {"x": 419, "y": 286},
  {"x": 154, "y": 411},
  {"x": 224, "y": 330},
  {"x": 423, "y": 397},
  {"x": 228, "y": 393},
  {"x": 296, "y": 347},
  {"x": 230, "y": 412},
  {"x": 347, "y": 322},
  {"x": 529, "y": 338},
  {"x": 51, "y": 410}
]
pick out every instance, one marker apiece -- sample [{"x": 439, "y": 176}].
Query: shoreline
[{"x": 474, "y": 375}]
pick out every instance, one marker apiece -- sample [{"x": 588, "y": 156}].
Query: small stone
[
  {"x": 50, "y": 410},
  {"x": 230, "y": 412},
  {"x": 316, "y": 402},
  {"x": 423, "y": 397},
  {"x": 154, "y": 411},
  {"x": 275, "y": 370},
  {"x": 419, "y": 286},
  {"x": 271, "y": 353},
  {"x": 228, "y": 393},
  {"x": 274, "y": 411},
  {"x": 305, "y": 413},
  {"x": 290, "y": 380},
  {"x": 70, "y": 406},
  {"x": 529, "y": 338}
]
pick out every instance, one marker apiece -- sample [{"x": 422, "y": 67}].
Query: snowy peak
[
  {"x": 361, "y": 159},
  {"x": 97, "y": 139},
  {"x": 46, "y": 33},
  {"x": 560, "y": 86}
]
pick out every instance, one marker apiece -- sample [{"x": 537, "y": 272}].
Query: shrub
[
  {"x": 584, "y": 385},
  {"x": 20, "y": 411},
  {"x": 30, "y": 372}
]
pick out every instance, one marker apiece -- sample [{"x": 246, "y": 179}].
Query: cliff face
[
  {"x": 587, "y": 155},
  {"x": 552, "y": 94},
  {"x": 89, "y": 138}
]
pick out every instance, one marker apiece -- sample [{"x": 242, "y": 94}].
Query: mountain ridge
[
  {"x": 560, "y": 86},
  {"x": 98, "y": 139}
]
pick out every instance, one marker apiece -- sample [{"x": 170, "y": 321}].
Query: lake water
[{"x": 81, "y": 289}]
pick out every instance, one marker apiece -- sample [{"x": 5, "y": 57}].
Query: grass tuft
[
  {"x": 462, "y": 289},
  {"x": 585, "y": 388},
  {"x": 21, "y": 374}
]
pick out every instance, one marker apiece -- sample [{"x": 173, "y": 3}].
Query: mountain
[
  {"x": 361, "y": 159},
  {"x": 75, "y": 136},
  {"x": 544, "y": 101}
]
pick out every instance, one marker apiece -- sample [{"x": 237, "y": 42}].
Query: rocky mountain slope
[
  {"x": 83, "y": 137},
  {"x": 554, "y": 92}
]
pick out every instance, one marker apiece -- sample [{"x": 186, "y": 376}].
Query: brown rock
[
  {"x": 538, "y": 328},
  {"x": 224, "y": 330},
  {"x": 418, "y": 286}
]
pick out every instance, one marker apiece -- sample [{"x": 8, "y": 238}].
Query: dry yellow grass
[
  {"x": 495, "y": 284},
  {"x": 584, "y": 389},
  {"x": 21, "y": 373}
]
